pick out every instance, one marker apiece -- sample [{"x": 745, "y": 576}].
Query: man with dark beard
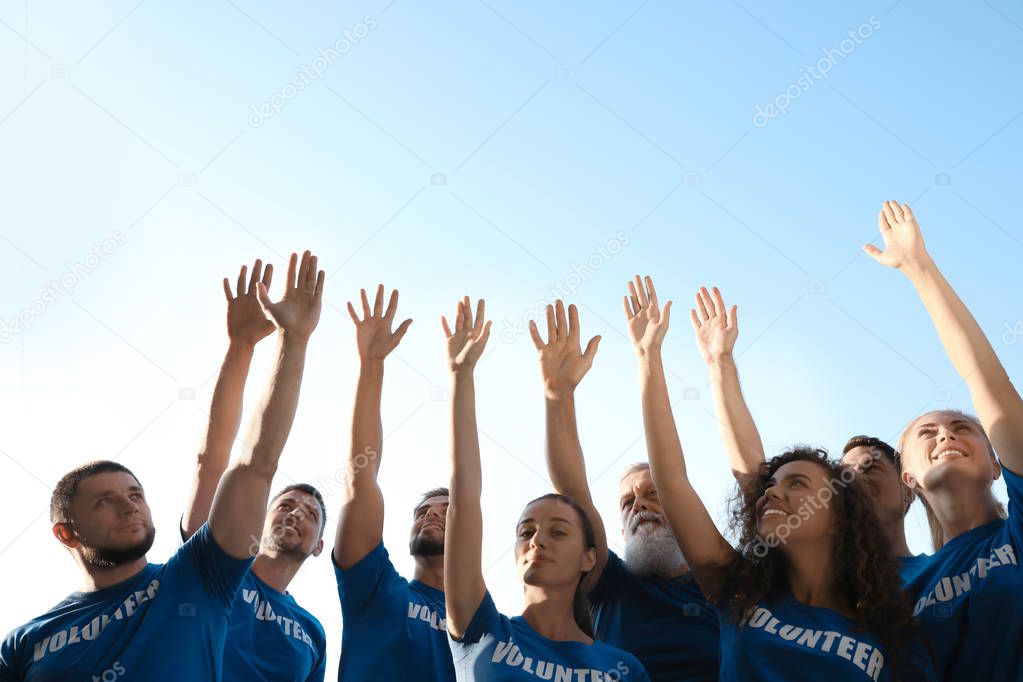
[
  {"x": 647, "y": 604},
  {"x": 394, "y": 629},
  {"x": 271, "y": 636},
  {"x": 161, "y": 622}
]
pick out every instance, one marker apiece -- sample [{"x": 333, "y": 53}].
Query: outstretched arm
[
  {"x": 236, "y": 519},
  {"x": 562, "y": 366},
  {"x": 246, "y": 326},
  {"x": 995, "y": 399},
  {"x": 706, "y": 550},
  {"x": 360, "y": 527},
  {"x": 716, "y": 332},
  {"x": 463, "y": 535}
]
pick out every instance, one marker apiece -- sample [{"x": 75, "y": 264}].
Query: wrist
[
  {"x": 240, "y": 348},
  {"x": 918, "y": 267},
  {"x": 724, "y": 361},
  {"x": 561, "y": 396},
  {"x": 372, "y": 366},
  {"x": 293, "y": 339},
  {"x": 649, "y": 355}
]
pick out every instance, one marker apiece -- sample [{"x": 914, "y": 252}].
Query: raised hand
[
  {"x": 298, "y": 311},
  {"x": 903, "y": 241},
  {"x": 466, "y": 343},
  {"x": 373, "y": 334},
  {"x": 562, "y": 363},
  {"x": 246, "y": 322},
  {"x": 716, "y": 331},
  {"x": 647, "y": 322}
]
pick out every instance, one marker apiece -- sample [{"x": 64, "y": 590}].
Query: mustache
[{"x": 642, "y": 516}]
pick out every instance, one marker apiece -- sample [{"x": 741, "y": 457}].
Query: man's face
[
  {"x": 639, "y": 505},
  {"x": 111, "y": 521},
  {"x": 428, "y": 523},
  {"x": 292, "y": 525},
  {"x": 880, "y": 476}
]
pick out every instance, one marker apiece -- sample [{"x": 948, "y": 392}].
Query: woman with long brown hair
[{"x": 811, "y": 591}]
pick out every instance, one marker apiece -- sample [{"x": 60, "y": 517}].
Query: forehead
[
  {"x": 942, "y": 418},
  {"x": 641, "y": 478},
  {"x": 300, "y": 497},
  {"x": 435, "y": 501},
  {"x": 97, "y": 484},
  {"x": 863, "y": 452},
  {"x": 548, "y": 510},
  {"x": 811, "y": 470}
]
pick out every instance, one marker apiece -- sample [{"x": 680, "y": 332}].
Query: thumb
[
  {"x": 666, "y": 313},
  {"x": 873, "y": 252},
  {"x": 263, "y": 297},
  {"x": 591, "y": 350}
]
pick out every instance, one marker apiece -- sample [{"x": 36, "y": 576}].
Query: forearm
[
  {"x": 280, "y": 404},
  {"x": 663, "y": 446},
  {"x": 995, "y": 399},
  {"x": 565, "y": 462},
  {"x": 367, "y": 424},
  {"x": 463, "y": 571},
  {"x": 738, "y": 430},
  {"x": 225, "y": 417}
]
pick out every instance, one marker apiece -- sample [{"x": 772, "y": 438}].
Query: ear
[
  {"x": 909, "y": 480},
  {"x": 590, "y": 560},
  {"x": 908, "y": 497},
  {"x": 318, "y": 548},
  {"x": 996, "y": 467},
  {"x": 65, "y": 536}
]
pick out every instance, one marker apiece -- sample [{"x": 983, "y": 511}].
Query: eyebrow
[
  {"x": 553, "y": 519},
  {"x": 954, "y": 422},
  {"x": 132, "y": 489}
]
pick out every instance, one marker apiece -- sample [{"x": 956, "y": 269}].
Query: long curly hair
[{"x": 866, "y": 579}]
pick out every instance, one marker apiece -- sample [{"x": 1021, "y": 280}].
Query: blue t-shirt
[
  {"x": 168, "y": 622},
  {"x": 786, "y": 640},
  {"x": 969, "y": 597},
  {"x": 272, "y": 638},
  {"x": 496, "y": 648},
  {"x": 392, "y": 629},
  {"x": 666, "y": 622}
]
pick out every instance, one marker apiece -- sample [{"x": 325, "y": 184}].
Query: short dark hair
[
  {"x": 67, "y": 486},
  {"x": 877, "y": 444},
  {"x": 308, "y": 490},
  {"x": 434, "y": 492}
]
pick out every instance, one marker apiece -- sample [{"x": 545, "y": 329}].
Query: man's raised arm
[
  {"x": 239, "y": 508},
  {"x": 360, "y": 526}
]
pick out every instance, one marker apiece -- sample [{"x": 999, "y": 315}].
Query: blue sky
[{"x": 491, "y": 149}]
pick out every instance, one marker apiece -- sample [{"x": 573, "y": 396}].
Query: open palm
[
  {"x": 467, "y": 341},
  {"x": 562, "y": 362},
  {"x": 716, "y": 331},
  {"x": 373, "y": 334},
  {"x": 903, "y": 241},
  {"x": 246, "y": 321},
  {"x": 647, "y": 323},
  {"x": 298, "y": 311}
]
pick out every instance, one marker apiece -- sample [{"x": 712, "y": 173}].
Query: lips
[
  {"x": 947, "y": 454},
  {"x": 771, "y": 511}
]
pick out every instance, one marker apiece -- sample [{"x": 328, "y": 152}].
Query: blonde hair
[{"x": 938, "y": 539}]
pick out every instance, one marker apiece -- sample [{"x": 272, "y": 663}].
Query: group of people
[{"x": 819, "y": 582}]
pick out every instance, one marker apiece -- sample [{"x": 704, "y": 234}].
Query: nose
[
  {"x": 774, "y": 492},
  {"x": 537, "y": 540},
  {"x": 944, "y": 433},
  {"x": 127, "y": 505}
]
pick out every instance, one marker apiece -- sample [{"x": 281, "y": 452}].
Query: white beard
[{"x": 653, "y": 551}]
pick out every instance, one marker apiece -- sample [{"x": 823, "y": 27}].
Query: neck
[
  {"x": 549, "y": 612},
  {"x": 276, "y": 570},
  {"x": 97, "y": 578},
  {"x": 896, "y": 534},
  {"x": 962, "y": 511},
  {"x": 430, "y": 571},
  {"x": 810, "y": 574},
  {"x": 681, "y": 570}
]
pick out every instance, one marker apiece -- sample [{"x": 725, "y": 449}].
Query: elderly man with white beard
[{"x": 647, "y": 604}]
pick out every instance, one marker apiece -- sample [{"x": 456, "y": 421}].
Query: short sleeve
[
  {"x": 486, "y": 620},
  {"x": 609, "y": 584},
  {"x": 1014, "y": 484},
  {"x": 359, "y": 585},
  {"x": 9, "y": 659},
  {"x": 219, "y": 573}
]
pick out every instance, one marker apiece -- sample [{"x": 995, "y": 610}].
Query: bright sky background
[{"x": 486, "y": 148}]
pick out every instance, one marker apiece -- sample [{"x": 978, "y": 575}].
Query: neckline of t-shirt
[
  {"x": 838, "y": 614},
  {"x": 970, "y": 535},
  {"x": 554, "y": 642},
  {"x": 431, "y": 591},
  {"x": 105, "y": 592},
  {"x": 274, "y": 590}
]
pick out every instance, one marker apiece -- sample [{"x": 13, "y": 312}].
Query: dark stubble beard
[
  {"x": 110, "y": 557},
  {"x": 425, "y": 546}
]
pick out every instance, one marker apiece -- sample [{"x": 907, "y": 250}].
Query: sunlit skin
[
  {"x": 881, "y": 477},
  {"x": 109, "y": 510},
  {"x": 549, "y": 548},
  {"x": 428, "y": 521},
  {"x": 636, "y": 493},
  {"x": 293, "y": 525},
  {"x": 943, "y": 449},
  {"x": 792, "y": 488}
]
